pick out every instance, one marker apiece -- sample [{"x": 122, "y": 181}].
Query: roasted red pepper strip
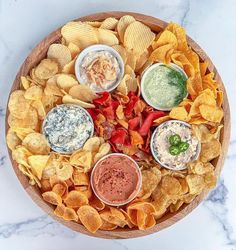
[
  {"x": 113, "y": 104},
  {"x": 134, "y": 123},
  {"x": 109, "y": 113},
  {"x": 92, "y": 113},
  {"x": 104, "y": 96},
  {"x": 143, "y": 131},
  {"x": 118, "y": 136}
]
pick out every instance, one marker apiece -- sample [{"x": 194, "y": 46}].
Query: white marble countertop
[{"x": 23, "y": 225}]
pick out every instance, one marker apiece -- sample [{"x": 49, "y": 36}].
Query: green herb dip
[{"x": 164, "y": 86}]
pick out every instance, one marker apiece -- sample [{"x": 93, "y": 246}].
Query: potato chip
[
  {"x": 166, "y": 37},
  {"x": 107, "y": 37},
  {"x": 18, "y": 105},
  {"x": 67, "y": 99},
  {"x": 46, "y": 69},
  {"x": 95, "y": 24},
  {"x": 138, "y": 37},
  {"x": 64, "y": 171},
  {"x": 82, "y": 159},
  {"x": 90, "y": 218},
  {"x": 104, "y": 149},
  {"x": 200, "y": 168},
  {"x": 122, "y": 51},
  {"x": 45, "y": 185},
  {"x": 65, "y": 81},
  {"x": 61, "y": 189},
  {"x": 96, "y": 203},
  {"x": 80, "y": 178},
  {"x": 210, "y": 180},
  {"x": 36, "y": 143},
  {"x": 175, "y": 207},
  {"x": 141, "y": 60},
  {"x": 170, "y": 185},
  {"x": 24, "y": 82},
  {"x": 92, "y": 144},
  {"x": 75, "y": 199},
  {"x": 181, "y": 60},
  {"x": 20, "y": 154},
  {"x": 22, "y": 132},
  {"x": 74, "y": 50},
  {"x": 70, "y": 214},
  {"x": 219, "y": 98},
  {"x": 113, "y": 216},
  {"x": 162, "y": 54},
  {"x": 136, "y": 138},
  {"x": 79, "y": 33},
  {"x": 86, "y": 190},
  {"x": 210, "y": 150},
  {"x": 60, "y": 210},
  {"x": 12, "y": 139},
  {"x": 107, "y": 226},
  {"x": 59, "y": 53},
  {"x": 122, "y": 24},
  {"x": 150, "y": 180},
  {"x": 82, "y": 93},
  {"x": 211, "y": 113},
  {"x": 38, "y": 163},
  {"x": 122, "y": 87},
  {"x": 179, "y": 113},
  {"x": 52, "y": 198},
  {"x": 69, "y": 68},
  {"x": 196, "y": 183},
  {"x": 51, "y": 87},
  {"x": 160, "y": 120},
  {"x": 109, "y": 23}
]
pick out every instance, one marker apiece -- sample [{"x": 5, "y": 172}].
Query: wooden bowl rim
[{"x": 156, "y": 25}]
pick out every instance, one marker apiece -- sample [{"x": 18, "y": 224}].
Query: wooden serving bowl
[{"x": 39, "y": 52}]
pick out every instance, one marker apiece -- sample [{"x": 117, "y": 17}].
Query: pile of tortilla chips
[{"x": 64, "y": 179}]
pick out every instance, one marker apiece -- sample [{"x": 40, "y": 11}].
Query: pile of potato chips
[{"x": 64, "y": 179}]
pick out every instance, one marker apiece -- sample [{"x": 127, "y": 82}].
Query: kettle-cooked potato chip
[
  {"x": 38, "y": 163},
  {"x": 34, "y": 93},
  {"x": 75, "y": 199},
  {"x": 90, "y": 218},
  {"x": 92, "y": 144},
  {"x": 52, "y": 198},
  {"x": 82, "y": 159},
  {"x": 195, "y": 183},
  {"x": 36, "y": 143},
  {"x": 64, "y": 171},
  {"x": 12, "y": 139},
  {"x": 70, "y": 214},
  {"x": 46, "y": 69},
  {"x": 210, "y": 150}
]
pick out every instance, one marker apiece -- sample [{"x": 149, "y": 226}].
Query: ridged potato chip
[
  {"x": 79, "y": 33},
  {"x": 122, "y": 51},
  {"x": 90, "y": 218},
  {"x": 82, "y": 93},
  {"x": 122, "y": 24},
  {"x": 75, "y": 199},
  {"x": 60, "y": 53},
  {"x": 107, "y": 37},
  {"x": 74, "y": 50},
  {"x": 69, "y": 68},
  {"x": 109, "y": 23},
  {"x": 46, "y": 69},
  {"x": 138, "y": 37},
  {"x": 52, "y": 198},
  {"x": 36, "y": 143}
]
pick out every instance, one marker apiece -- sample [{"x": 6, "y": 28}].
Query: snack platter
[{"x": 118, "y": 125}]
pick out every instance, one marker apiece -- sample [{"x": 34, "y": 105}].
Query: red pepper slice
[
  {"x": 109, "y": 113},
  {"x": 134, "y": 123},
  {"x": 143, "y": 131},
  {"x": 118, "y": 136},
  {"x": 104, "y": 96}
]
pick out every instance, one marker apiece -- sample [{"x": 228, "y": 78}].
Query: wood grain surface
[{"x": 39, "y": 52}]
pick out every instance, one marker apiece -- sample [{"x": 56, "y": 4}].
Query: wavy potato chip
[
  {"x": 60, "y": 53},
  {"x": 52, "y": 198},
  {"x": 90, "y": 218},
  {"x": 36, "y": 143},
  {"x": 79, "y": 33},
  {"x": 122, "y": 24},
  {"x": 46, "y": 69},
  {"x": 107, "y": 37},
  {"x": 109, "y": 23},
  {"x": 121, "y": 50},
  {"x": 75, "y": 199},
  {"x": 138, "y": 37},
  {"x": 82, "y": 93},
  {"x": 74, "y": 50},
  {"x": 69, "y": 68}
]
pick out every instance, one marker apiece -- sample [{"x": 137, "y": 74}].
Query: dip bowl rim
[
  {"x": 144, "y": 74},
  {"x": 154, "y": 153},
  {"x": 139, "y": 180},
  {"x": 98, "y": 47},
  {"x": 66, "y": 104}
]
